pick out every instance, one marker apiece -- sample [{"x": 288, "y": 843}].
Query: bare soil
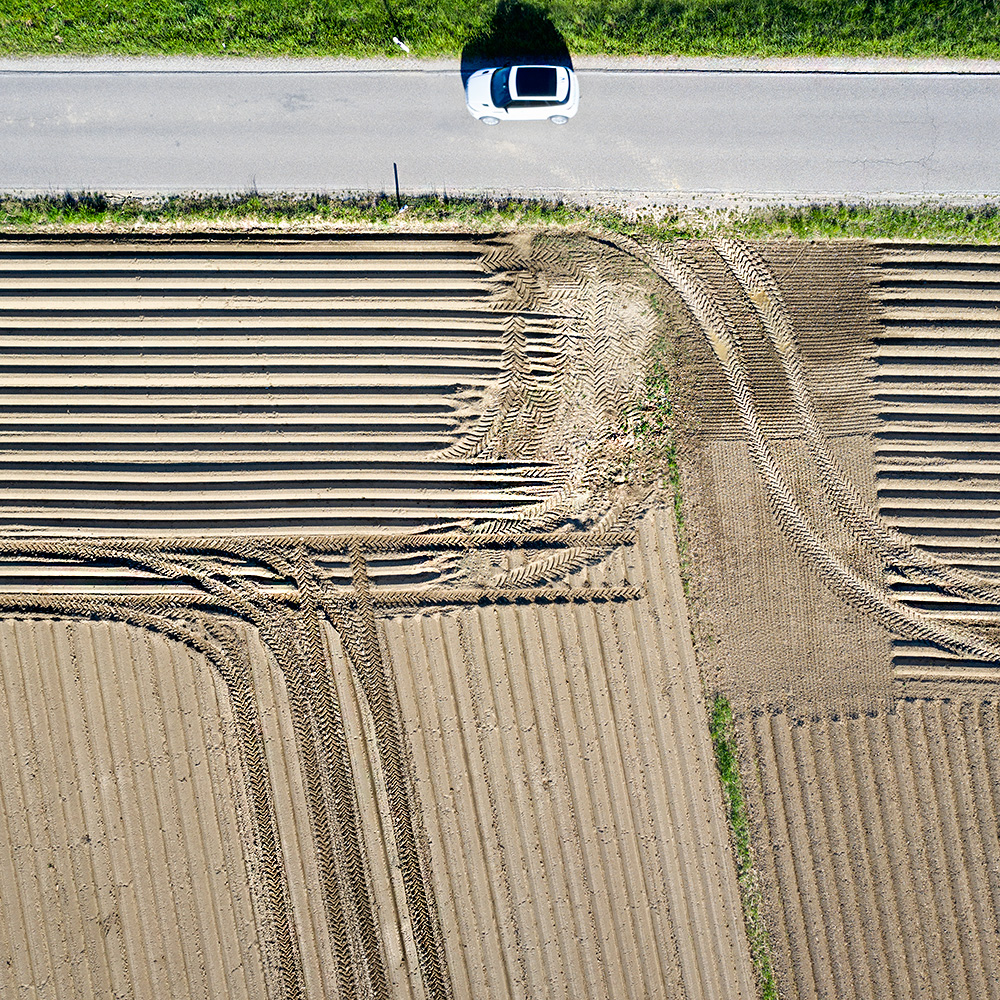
[
  {"x": 838, "y": 461},
  {"x": 344, "y": 653},
  {"x": 341, "y": 655}
]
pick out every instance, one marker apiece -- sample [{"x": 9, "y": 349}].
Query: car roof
[{"x": 534, "y": 81}]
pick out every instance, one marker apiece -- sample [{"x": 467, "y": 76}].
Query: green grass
[
  {"x": 249, "y": 211},
  {"x": 269, "y": 212},
  {"x": 979, "y": 224},
  {"x": 724, "y": 742},
  {"x": 969, "y": 28}
]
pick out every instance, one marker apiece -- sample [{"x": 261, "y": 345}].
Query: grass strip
[
  {"x": 723, "y": 734},
  {"x": 359, "y": 28},
  {"x": 264, "y": 211},
  {"x": 652, "y": 428},
  {"x": 252, "y": 211}
]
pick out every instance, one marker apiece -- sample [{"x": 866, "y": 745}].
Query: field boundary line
[{"x": 723, "y": 734}]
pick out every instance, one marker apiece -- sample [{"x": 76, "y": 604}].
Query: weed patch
[
  {"x": 933, "y": 222},
  {"x": 262, "y": 211},
  {"x": 724, "y": 743},
  {"x": 653, "y": 430}
]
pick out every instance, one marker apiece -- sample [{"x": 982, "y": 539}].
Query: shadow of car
[{"x": 522, "y": 93}]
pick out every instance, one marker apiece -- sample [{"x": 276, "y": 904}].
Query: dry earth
[
  {"x": 839, "y": 454},
  {"x": 339, "y": 657},
  {"x": 343, "y": 657}
]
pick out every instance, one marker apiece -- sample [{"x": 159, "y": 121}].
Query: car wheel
[
  {"x": 490, "y": 120},
  {"x": 558, "y": 119}
]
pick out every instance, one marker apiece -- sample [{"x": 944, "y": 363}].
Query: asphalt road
[{"x": 651, "y": 135}]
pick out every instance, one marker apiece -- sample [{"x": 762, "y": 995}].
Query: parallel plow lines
[
  {"x": 881, "y": 835},
  {"x": 155, "y": 355},
  {"x": 938, "y": 392},
  {"x": 213, "y": 441}
]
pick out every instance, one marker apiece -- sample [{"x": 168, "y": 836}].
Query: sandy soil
[
  {"x": 320, "y": 385},
  {"x": 565, "y": 748},
  {"x": 839, "y": 473},
  {"x": 121, "y": 866},
  {"x": 342, "y": 657},
  {"x": 936, "y": 450},
  {"x": 320, "y": 565},
  {"x": 877, "y": 838}
]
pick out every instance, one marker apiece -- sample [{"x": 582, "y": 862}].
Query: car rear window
[{"x": 535, "y": 81}]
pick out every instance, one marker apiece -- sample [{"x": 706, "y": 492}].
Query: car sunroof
[{"x": 535, "y": 81}]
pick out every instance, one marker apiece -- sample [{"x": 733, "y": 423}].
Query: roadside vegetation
[
  {"x": 652, "y": 427},
  {"x": 359, "y": 28},
  {"x": 252, "y": 211},
  {"x": 724, "y": 743}
]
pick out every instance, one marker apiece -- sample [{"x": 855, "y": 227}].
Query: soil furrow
[
  {"x": 930, "y": 819},
  {"x": 583, "y": 859},
  {"x": 983, "y": 797},
  {"x": 614, "y": 940},
  {"x": 779, "y": 868},
  {"x": 972, "y": 875},
  {"x": 615, "y": 764},
  {"x": 666, "y": 800},
  {"x": 853, "y": 875},
  {"x": 180, "y": 852},
  {"x": 928, "y": 724},
  {"x": 98, "y": 824},
  {"x": 64, "y": 732},
  {"x": 500, "y": 858},
  {"x": 625, "y": 716},
  {"x": 144, "y": 939},
  {"x": 888, "y": 845},
  {"x": 44, "y": 774},
  {"x": 529, "y": 670},
  {"x": 145, "y": 811},
  {"x": 809, "y": 783},
  {"x": 920, "y": 901},
  {"x": 20, "y": 820},
  {"x": 808, "y": 894},
  {"x": 535, "y": 913},
  {"x": 223, "y": 969},
  {"x": 463, "y": 816}
]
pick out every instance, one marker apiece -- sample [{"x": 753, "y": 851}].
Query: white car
[{"x": 523, "y": 93}]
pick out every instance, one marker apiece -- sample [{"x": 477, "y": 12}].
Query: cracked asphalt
[{"x": 649, "y": 132}]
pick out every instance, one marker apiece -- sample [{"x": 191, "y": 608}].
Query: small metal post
[{"x": 395, "y": 174}]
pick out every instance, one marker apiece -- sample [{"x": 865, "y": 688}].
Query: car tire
[
  {"x": 558, "y": 119},
  {"x": 490, "y": 120}
]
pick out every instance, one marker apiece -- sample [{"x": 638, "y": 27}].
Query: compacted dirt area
[
  {"x": 341, "y": 654},
  {"x": 839, "y": 465}
]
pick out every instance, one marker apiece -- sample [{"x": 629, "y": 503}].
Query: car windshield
[{"x": 499, "y": 89}]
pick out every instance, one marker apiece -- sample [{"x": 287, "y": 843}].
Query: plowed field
[
  {"x": 343, "y": 655},
  {"x": 339, "y": 657},
  {"x": 214, "y": 386},
  {"x": 881, "y": 847},
  {"x": 841, "y": 450}
]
